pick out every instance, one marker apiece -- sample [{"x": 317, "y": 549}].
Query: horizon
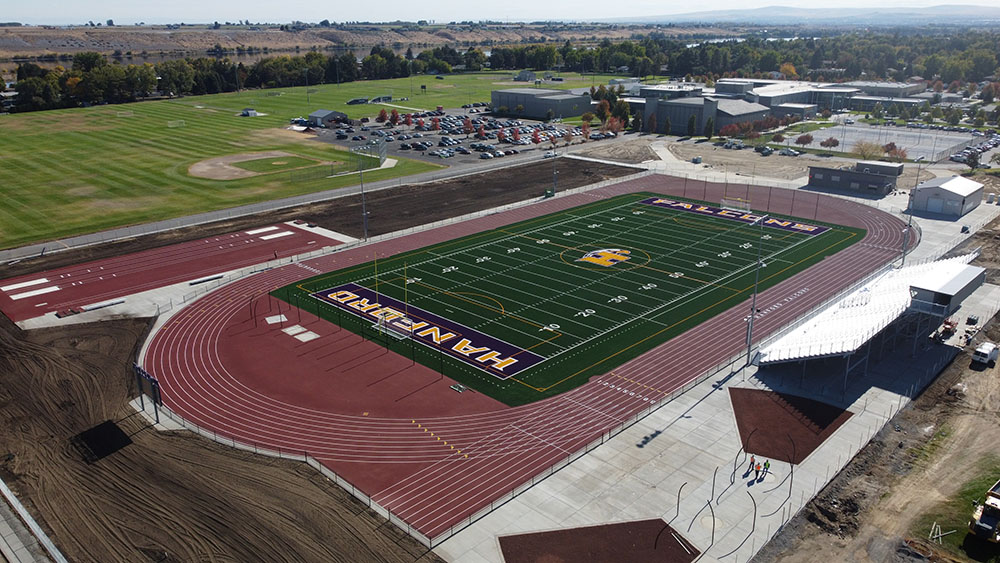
[{"x": 197, "y": 13}]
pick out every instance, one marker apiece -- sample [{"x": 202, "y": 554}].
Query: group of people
[{"x": 756, "y": 467}]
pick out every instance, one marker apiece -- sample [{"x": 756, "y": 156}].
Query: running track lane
[
  {"x": 34, "y": 295},
  {"x": 430, "y": 486}
]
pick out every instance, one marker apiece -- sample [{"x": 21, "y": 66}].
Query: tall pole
[
  {"x": 756, "y": 281},
  {"x": 909, "y": 221},
  {"x": 364, "y": 207}
]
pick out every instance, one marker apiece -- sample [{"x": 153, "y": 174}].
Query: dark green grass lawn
[
  {"x": 275, "y": 164},
  {"x": 524, "y": 284}
]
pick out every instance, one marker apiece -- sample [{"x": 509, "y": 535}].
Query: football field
[{"x": 534, "y": 309}]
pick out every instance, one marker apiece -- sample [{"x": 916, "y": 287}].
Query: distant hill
[{"x": 786, "y": 15}]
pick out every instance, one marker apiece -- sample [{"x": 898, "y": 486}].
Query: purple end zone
[
  {"x": 736, "y": 215},
  {"x": 492, "y": 355}
]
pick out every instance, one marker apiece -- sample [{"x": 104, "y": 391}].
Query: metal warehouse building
[
  {"x": 954, "y": 196},
  {"x": 537, "y": 103}
]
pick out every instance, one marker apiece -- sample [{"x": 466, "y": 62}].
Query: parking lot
[
  {"x": 931, "y": 144},
  {"x": 465, "y": 136}
]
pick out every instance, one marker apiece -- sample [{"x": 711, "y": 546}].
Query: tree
[
  {"x": 709, "y": 130},
  {"x": 867, "y": 150},
  {"x": 519, "y": 108},
  {"x": 692, "y": 125},
  {"x": 995, "y": 159},
  {"x": 896, "y": 154},
  {"x": 481, "y": 133},
  {"x": 435, "y": 124},
  {"x": 730, "y": 130},
  {"x": 536, "y": 137},
  {"x": 516, "y": 133},
  {"x": 778, "y": 138},
  {"x": 972, "y": 160},
  {"x": 467, "y": 126},
  {"x": 804, "y": 140},
  {"x": 383, "y": 116},
  {"x": 587, "y": 117},
  {"x": 666, "y": 125},
  {"x": 603, "y": 110},
  {"x": 584, "y": 129},
  {"x": 829, "y": 143},
  {"x": 788, "y": 69},
  {"x": 954, "y": 116},
  {"x": 394, "y": 117},
  {"x": 568, "y": 137},
  {"x": 620, "y": 110},
  {"x": 408, "y": 119}
]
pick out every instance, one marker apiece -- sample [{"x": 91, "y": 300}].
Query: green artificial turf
[{"x": 526, "y": 285}]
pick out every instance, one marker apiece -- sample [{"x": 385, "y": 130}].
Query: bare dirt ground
[
  {"x": 171, "y": 497},
  {"x": 221, "y": 168},
  {"x": 632, "y": 151},
  {"x": 866, "y": 512}
]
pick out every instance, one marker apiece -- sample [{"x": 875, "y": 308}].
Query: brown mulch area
[
  {"x": 640, "y": 542},
  {"x": 389, "y": 210},
  {"x": 781, "y": 426}
]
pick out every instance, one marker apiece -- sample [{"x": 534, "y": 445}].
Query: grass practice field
[
  {"x": 67, "y": 172},
  {"x": 534, "y": 309}
]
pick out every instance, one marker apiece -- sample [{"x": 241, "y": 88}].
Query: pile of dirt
[
  {"x": 987, "y": 240},
  {"x": 389, "y": 210}
]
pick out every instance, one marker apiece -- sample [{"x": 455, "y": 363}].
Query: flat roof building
[
  {"x": 539, "y": 103},
  {"x": 952, "y": 197}
]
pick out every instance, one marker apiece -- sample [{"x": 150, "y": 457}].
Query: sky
[{"x": 127, "y": 12}]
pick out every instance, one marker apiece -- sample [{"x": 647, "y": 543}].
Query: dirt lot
[
  {"x": 865, "y": 513},
  {"x": 389, "y": 210},
  {"x": 632, "y": 151},
  {"x": 746, "y": 162},
  {"x": 174, "y": 497}
]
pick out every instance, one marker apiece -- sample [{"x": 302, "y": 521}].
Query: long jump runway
[
  {"x": 394, "y": 429},
  {"x": 34, "y": 295}
]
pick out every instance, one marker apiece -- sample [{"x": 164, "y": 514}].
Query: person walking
[
  {"x": 767, "y": 466},
  {"x": 756, "y": 472},
  {"x": 753, "y": 461}
]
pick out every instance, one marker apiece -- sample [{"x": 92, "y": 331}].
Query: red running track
[
  {"x": 434, "y": 457},
  {"x": 34, "y": 295}
]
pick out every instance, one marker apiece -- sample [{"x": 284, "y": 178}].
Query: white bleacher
[{"x": 847, "y": 324}]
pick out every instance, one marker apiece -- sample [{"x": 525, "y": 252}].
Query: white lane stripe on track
[
  {"x": 17, "y": 286},
  {"x": 277, "y": 235},
  {"x": 42, "y": 291},
  {"x": 264, "y": 230}
]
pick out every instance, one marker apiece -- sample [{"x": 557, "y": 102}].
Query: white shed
[{"x": 953, "y": 197}]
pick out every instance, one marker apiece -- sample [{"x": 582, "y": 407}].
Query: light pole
[
  {"x": 909, "y": 221},
  {"x": 756, "y": 281}
]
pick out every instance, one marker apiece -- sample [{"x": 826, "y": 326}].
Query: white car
[{"x": 549, "y": 154}]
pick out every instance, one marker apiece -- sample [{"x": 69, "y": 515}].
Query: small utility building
[
  {"x": 953, "y": 197},
  {"x": 324, "y": 117},
  {"x": 868, "y": 177}
]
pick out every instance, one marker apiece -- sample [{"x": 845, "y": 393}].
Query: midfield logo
[{"x": 606, "y": 257}]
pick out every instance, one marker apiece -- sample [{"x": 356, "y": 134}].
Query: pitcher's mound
[
  {"x": 625, "y": 542},
  {"x": 784, "y": 427}
]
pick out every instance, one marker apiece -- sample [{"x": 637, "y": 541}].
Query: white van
[{"x": 986, "y": 353}]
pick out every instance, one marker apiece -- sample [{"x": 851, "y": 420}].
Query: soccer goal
[{"x": 736, "y": 204}]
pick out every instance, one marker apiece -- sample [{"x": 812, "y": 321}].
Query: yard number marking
[
  {"x": 702, "y": 264},
  {"x": 725, "y": 254},
  {"x": 618, "y": 299},
  {"x": 746, "y": 245},
  {"x": 617, "y": 218},
  {"x": 412, "y": 280},
  {"x": 648, "y": 286},
  {"x": 585, "y": 313},
  {"x": 569, "y": 233},
  {"x": 543, "y": 241},
  {"x": 483, "y": 259},
  {"x": 449, "y": 269},
  {"x": 513, "y": 250},
  {"x": 550, "y": 327},
  {"x": 677, "y": 275},
  {"x": 593, "y": 225}
]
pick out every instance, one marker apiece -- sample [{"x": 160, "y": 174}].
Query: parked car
[{"x": 789, "y": 152}]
